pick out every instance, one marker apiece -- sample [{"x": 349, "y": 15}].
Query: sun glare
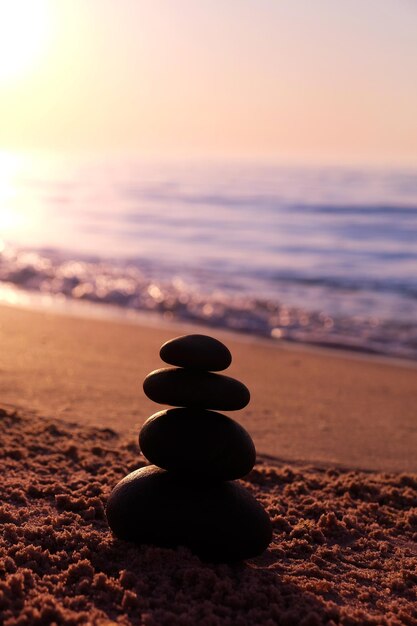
[
  {"x": 9, "y": 167},
  {"x": 24, "y": 26}
]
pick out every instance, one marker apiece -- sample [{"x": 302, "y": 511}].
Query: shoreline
[
  {"x": 308, "y": 405},
  {"x": 67, "y": 307}
]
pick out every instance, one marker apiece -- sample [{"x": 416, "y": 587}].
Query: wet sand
[{"x": 324, "y": 407}]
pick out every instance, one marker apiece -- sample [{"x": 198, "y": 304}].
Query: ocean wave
[
  {"x": 343, "y": 283},
  {"x": 360, "y": 209},
  {"x": 317, "y": 255},
  {"x": 200, "y": 299},
  {"x": 262, "y": 201}
]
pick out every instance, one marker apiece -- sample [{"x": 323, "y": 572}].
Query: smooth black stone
[
  {"x": 197, "y": 352},
  {"x": 194, "y": 389},
  {"x": 209, "y": 444},
  {"x": 218, "y": 521}
]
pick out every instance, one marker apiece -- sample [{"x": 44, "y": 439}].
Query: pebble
[
  {"x": 220, "y": 522},
  {"x": 196, "y": 352},
  {"x": 207, "y": 443},
  {"x": 195, "y": 389}
]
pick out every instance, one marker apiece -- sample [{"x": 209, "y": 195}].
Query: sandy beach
[
  {"x": 336, "y": 437},
  {"x": 248, "y": 172},
  {"x": 343, "y": 548},
  {"x": 307, "y": 405}
]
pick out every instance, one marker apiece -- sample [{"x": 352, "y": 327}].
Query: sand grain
[{"x": 344, "y": 548}]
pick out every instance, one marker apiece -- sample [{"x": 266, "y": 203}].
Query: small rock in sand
[
  {"x": 195, "y": 389},
  {"x": 196, "y": 352},
  {"x": 199, "y": 442},
  {"x": 218, "y": 521}
]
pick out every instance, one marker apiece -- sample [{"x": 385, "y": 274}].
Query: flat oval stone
[
  {"x": 218, "y": 521},
  {"x": 206, "y": 443},
  {"x": 197, "y": 352},
  {"x": 191, "y": 388}
]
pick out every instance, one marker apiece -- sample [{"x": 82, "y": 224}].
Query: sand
[
  {"x": 336, "y": 471},
  {"x": 343, "y": 552},
  {"x": 315, "y": 406}
]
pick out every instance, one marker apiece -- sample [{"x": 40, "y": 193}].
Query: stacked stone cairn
[{"x": 187, "y": 496}]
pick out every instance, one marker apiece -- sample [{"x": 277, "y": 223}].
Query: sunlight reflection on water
[{"x": 299, "y": 253}]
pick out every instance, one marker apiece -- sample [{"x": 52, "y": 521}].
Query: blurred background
[{"x": 242, "y": 165}]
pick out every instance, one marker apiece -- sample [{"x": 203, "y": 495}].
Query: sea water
[{"x": 323, "y": 255}]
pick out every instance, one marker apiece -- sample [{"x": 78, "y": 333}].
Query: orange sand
[
  {"x": 344, "y": 545},
  {"x": 307, "y": 405},
  {"x": 343, "y": 551}
]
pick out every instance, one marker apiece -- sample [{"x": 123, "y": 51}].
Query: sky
[{"x": 321, "y": 81}]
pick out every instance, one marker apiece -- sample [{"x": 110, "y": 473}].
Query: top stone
[{"x": 197, "y": 352}]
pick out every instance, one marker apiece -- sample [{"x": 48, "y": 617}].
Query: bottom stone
[{"x": 217, "y": 521}]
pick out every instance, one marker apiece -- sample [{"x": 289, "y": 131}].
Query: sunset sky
[{"x": 329, "y": 80}]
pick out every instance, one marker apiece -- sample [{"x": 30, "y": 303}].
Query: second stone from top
[
  {"x": 195, "y": 389},
  {"x": 196, "y": 352}
]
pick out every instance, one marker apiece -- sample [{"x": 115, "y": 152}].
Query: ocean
[{"x": 324, "y": 256}]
